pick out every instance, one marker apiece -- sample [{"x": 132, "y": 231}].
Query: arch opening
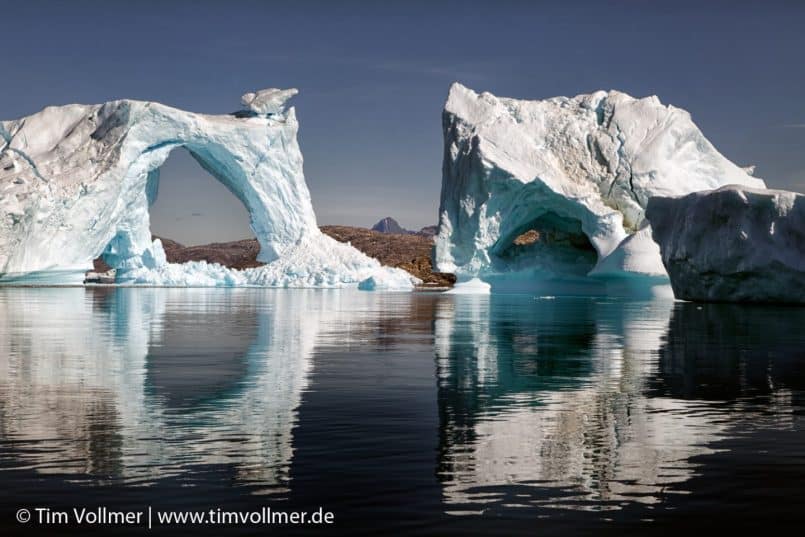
[
  {"x": 549, "y": 242},
  {"x": 190, "y": 206},
  {"x": 197, "y": 212}
]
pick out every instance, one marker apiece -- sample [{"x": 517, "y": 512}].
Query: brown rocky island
[{"x": 407, "y": 250}]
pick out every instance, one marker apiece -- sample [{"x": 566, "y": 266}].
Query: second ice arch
[{"x": 575, "y": 171}]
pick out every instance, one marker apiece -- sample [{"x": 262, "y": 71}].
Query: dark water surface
[{"x": 419, "y": 414}]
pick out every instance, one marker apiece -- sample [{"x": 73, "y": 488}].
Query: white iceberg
[
  {"x": 576, "y": 173},
  {"x": 76, "y": 183},
  {"x": 733, "y": 244}
]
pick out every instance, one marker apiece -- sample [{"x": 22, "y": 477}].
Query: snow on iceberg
[
  {"x": 557, "y": 188},
  {"x": 733, "y": 244},
  {"x": 76, "y": 183}
]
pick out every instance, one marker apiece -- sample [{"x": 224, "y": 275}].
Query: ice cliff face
[
  {"x": 733, "y": 244},
  {"x": 575, "y": 172},
  {"x": 76, "y": 182}
]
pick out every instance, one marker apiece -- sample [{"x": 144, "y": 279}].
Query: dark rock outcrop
[
  {"x": 235, "y": 254},
  {"x": 410, "y": 252}
]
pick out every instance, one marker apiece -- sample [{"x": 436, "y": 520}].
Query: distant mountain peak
[{"x": 389, "y": 225}]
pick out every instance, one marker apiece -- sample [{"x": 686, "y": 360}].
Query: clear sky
[{"x": 374, "y": 76}]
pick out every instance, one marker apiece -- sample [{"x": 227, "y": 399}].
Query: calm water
[{"x": 416, "y": 414}]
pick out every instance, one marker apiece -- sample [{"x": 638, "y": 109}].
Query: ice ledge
[{"x": 268, "y": 101}]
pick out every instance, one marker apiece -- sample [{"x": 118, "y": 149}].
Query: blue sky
[{"x": 374, "y": 76}]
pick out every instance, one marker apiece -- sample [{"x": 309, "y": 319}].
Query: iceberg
[
  {"x": 540, "y": 190},
  {"x": 76, "y": 183},
  {"x": 733, "y": 244}
]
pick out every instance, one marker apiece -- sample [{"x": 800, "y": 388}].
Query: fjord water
[{"x": 410, "y": 413}]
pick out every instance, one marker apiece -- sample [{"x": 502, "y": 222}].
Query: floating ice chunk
[
  {"x": 474, "y": 286},
  {"x": 388, "y": 281},
  {"x": 107, "y": 277}
]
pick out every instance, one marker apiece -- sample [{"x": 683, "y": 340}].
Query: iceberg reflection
[
  {"x": 141, "y": 384},
  {"x": 544, "y": 402},
  {"x": 749, "y": 355}
]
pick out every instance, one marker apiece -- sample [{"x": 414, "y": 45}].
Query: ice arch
[
  {"x": 585, "y": 165},
  {"x": 268, "y": 181},
  {"x": 77, "y": 181}
]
